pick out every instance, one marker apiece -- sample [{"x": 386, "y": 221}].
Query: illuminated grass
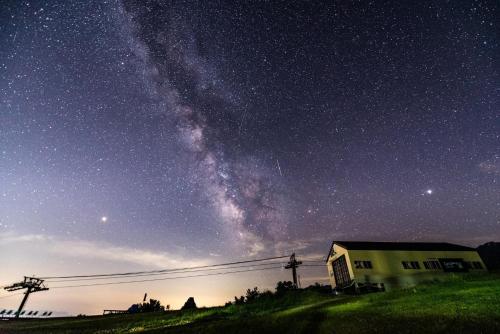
[{"x": 461, "y": 304}]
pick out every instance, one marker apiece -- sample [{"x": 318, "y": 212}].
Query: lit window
[{"x": 453, "y": 265}]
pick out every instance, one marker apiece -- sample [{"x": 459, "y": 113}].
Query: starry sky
[{"x": 153, "y": 134}]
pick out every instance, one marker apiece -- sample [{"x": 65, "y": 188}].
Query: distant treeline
[{"x": 282, "y": 287}]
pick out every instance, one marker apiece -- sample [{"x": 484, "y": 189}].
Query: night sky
[{"x": 153, "y": 134}]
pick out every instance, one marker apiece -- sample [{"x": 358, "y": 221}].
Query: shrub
[
  {"x": 283, "y": 286},
  {"x": 152, "y": 306}
]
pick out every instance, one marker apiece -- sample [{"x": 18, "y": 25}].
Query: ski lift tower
[{"x": 32, "y": 284}]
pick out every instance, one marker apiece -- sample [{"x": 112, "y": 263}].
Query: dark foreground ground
[{"x": 462, "y": 304}]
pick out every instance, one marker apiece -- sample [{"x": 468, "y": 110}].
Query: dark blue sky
[{"x": 248, "y": 128}]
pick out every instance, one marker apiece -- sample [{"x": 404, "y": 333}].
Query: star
[{"x": 178, "y": 127}]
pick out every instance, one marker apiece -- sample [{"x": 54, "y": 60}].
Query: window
[
  {"x": 432, "y": 265},
  {"x": 453, "y": 265},
  {"x": 477, "y": 265},
  {"x": 473, "y": 265},
  {"x": 363, "y": 265},
  {"x": 410, "y": 264}
]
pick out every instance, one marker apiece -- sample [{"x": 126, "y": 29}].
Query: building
[{"x": 383, "y": 265}]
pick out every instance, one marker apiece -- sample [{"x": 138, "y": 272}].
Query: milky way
[{"x": 243, "y": 195}]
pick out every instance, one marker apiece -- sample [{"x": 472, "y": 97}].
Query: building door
[{"x": 341, "y": 272}]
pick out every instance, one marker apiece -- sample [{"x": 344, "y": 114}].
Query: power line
[
  {"x": 163, "y": 273},
  {"x": 164, "y": 270},
  {"x": 163, "y": 279},
  {"x": 313, "y": 265}
]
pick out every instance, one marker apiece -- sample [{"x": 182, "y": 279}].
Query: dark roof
[{"x": 409, "y": 246}]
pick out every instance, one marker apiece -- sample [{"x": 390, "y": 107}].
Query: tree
[
  {"x": 189, "y": 304},
  {"x": 239, "y": 301},
  {"x": 152, "y": 306},
  {"x": 252, "y": 294},
  {"x": 283, "y": 286}
]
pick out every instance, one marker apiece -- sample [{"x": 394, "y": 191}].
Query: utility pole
[
  {"x": 32, "y": 284},
  {"x": 293, "y": 264}
]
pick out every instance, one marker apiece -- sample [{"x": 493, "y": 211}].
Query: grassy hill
[{"x": 461, "y": 304}]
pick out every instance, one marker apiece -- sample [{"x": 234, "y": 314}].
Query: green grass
[{"x": 461, "y": 304}]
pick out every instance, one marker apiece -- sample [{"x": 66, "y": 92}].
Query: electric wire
[
  {"x": 162, "y": 279},
  {"x": 312, "y": 265},
  {"x": 164, "y": 270},
  {"x": 186, "y": 270},
  {"x": 162, "y": 273}
]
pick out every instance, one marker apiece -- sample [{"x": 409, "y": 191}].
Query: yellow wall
[{"x": 388, "y": 269}]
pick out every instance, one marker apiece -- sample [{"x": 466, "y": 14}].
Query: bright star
[
  {"x": 429, "y": 191},
  {"x": 104, "y": 219}
]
